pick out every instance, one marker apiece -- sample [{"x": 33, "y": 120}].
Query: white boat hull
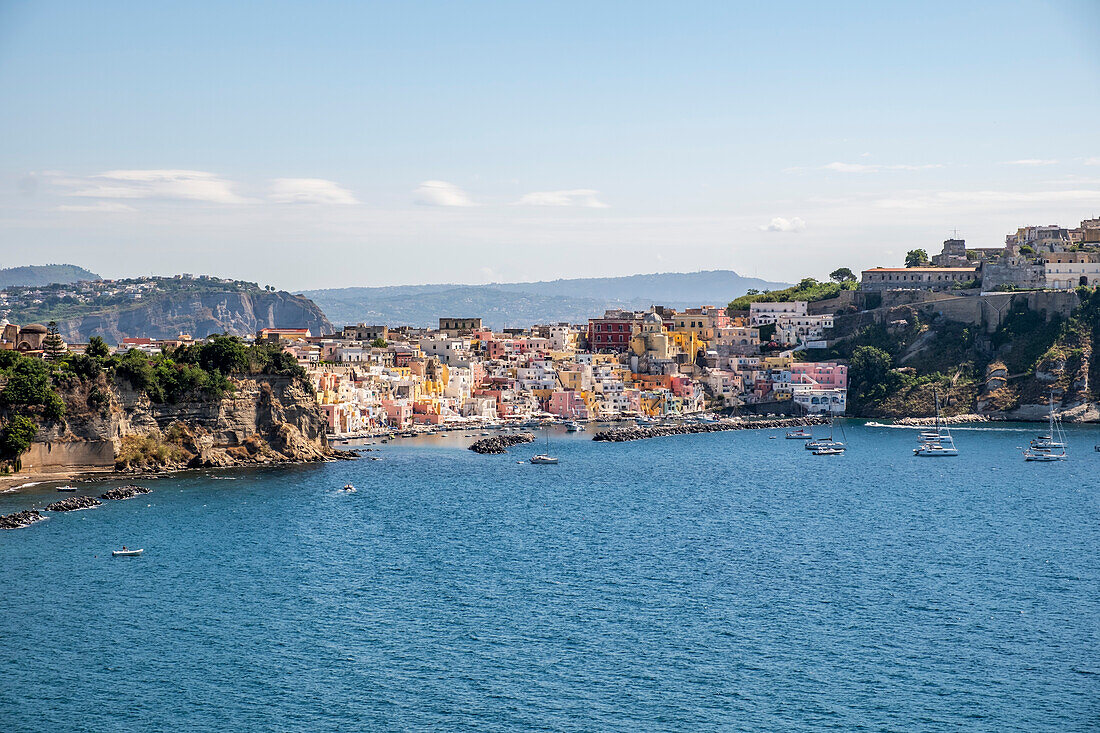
[{"x": 127, "y": 553}]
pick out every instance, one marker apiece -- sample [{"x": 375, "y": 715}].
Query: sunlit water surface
[{"x": 710, "y": 582}]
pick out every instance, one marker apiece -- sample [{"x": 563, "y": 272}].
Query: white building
[
  {"x": 761, "y": 314},
  {"x": 1068, "y": 275}
]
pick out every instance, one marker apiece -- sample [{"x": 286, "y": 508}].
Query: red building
[{"x": 612, "y": 331}]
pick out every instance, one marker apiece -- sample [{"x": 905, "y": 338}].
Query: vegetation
[
  {"x": 842, "y": 275},
  {"x": 149, "y": 451},
  {"x": 53, "y": 346},
  {"x": 15, "y": 437},
  {"x": 808, "y": 289},
  {"x": 379, "y": 343},
  {"x": 916, "y": 258}
]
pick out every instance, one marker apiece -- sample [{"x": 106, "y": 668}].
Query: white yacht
[
  {"x": 1050, "y": 447},
  {"x": 816, "y": 444},
  {"x": 938, "y": 442},
  {"x": 545, "y": 458}
]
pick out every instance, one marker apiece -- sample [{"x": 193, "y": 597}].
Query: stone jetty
[
  {"x": 20, "y": 519},
  {"x": 500, "y": 443},
  {"x": 124, "y": 492},
  {"x": 620, "y": 435},
  {"x": 73, "y": 503}
]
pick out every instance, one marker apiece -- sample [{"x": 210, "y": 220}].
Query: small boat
[
  {"x": 936, "y": 449},
  {"x": 66, "y": 487},
  {"x": 544, "y": 459},
  {"x": 348, "y": 488},
  {"x": 800, "y": 434},
  {"x": 572, "y": 426},
  {"x": 126, "y": 553},
  {"x": 833, "y": 450},
  {"x": 1050, "y": 447}
]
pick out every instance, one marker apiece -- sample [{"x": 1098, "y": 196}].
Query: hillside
[
  {"x": 162, "y": 308},
  {"x": 523, "y": 304},
  {"x": 38, "y": 275},
  {"x": 1002, "y": 362},
  {"x": 212, "y": 404}
]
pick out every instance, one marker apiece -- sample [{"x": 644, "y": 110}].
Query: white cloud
[
  {"x": 585, "y": 197},
  {"x": 1092, "y": 161},
  {"x": 309, "y": 191},
  {"x": 152, "y": 184},
  {"x": 875, "y": 168},
  {"x": 109, "y": 207},
  {"x": 1031, "y": 162},
  {"x": 441, "y": 193},
  {"x": 779, "y": 224}
]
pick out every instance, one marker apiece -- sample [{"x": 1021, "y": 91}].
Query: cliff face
[
  {"x": 166, "y": 315},
  {"x": 266, "y": 419}
]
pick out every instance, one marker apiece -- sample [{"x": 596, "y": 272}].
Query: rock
[
  {"x": 621, "y": 435},
  {"x": 500, "y": 443},
  {"x": 124, "y": 492},
  {"x": 73, "y": 503},
  {"x": 953, "y": 420},
  {"x": 20, "y": 519}
]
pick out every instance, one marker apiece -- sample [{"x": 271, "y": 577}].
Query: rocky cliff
[
  {"x": 167, "y": 314},
  {"x": 265, "y": 419}
]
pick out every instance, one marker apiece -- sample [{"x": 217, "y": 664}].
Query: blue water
[{"x": 709, "y": 582}]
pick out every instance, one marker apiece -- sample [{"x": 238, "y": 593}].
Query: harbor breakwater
[
  {"x": 500, "y": 443},
  {"x": 621, "y": 435}
]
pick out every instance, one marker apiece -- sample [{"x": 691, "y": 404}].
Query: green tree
[
  {"x": 868, "y": 375},
  {"x": 379, "y": 343},
  {"x": 842, "y": 274},
  {"x": 53, "y": 346},
  {"x": 15, "y": 437},
  {"x": 29, "y": 387},
  {"x": 916, "y": 258},
  {"x": 226, "y": 354},
  {"x": 97, "y": 348}
]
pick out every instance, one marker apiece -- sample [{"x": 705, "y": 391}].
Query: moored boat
[{"x": 124, "y": 552}]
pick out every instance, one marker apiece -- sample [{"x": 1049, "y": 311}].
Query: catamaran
[
  {"x": 1050, "y": 447},
  {"x": 936, "y": 442}
]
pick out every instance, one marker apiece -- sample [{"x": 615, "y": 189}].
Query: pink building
[
  {"x": 824, "y": 373},
  {"x": 682, "y": 386},
  {"x": 398, "y": 412},
  {"x": 567, "y": 404}
]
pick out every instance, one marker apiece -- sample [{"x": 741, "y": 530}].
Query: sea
[{"x": 715, "y": 582}]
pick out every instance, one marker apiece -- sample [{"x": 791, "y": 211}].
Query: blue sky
[{"x": 333, "y": 144}]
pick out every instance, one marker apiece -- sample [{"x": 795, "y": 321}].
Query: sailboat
[
  {"x": 545, "y": 458},
  {"x": 1050, "y": 447},
  {"x": 825, "y": 446},
  {"x": 939, "y": 441}
]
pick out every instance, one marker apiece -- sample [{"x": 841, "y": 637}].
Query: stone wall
[{"x": 76, "y": 454}]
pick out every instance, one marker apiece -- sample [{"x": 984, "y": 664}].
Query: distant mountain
[
  {"x": 504, "y": 305},
  {"x": 37, "y": 275}
]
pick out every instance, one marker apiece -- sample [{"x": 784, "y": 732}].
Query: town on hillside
[{"x": 748, "y": 357}]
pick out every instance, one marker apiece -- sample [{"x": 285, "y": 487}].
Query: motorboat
[
  {"x": 124, "y": 552},
  {"x": 833, "y": 450},
  {"x": 800, "y": 434},
  {"x": 572, "y": 426},
  {"x": 348, "y": 488},
  {"x": 1043, "y": 455},
  {"x": 66, "y": 487}
]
